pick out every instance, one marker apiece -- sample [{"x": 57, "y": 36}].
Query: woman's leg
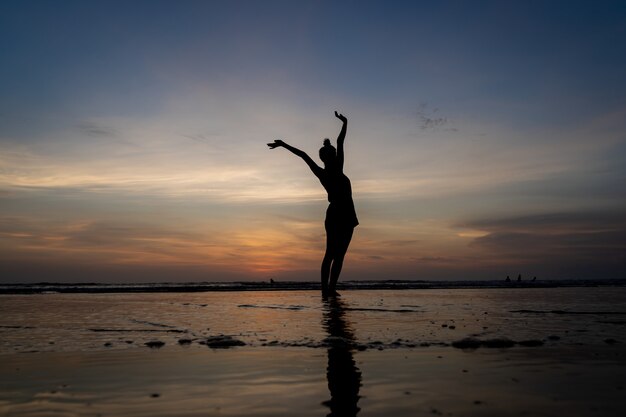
[
  {"x": 342, "y": 241},
  {"x": 328, "y": 259},
  {"x": 326, "y": 262}
]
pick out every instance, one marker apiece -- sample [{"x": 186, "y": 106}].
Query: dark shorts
[{"x": 340, "y": 218}]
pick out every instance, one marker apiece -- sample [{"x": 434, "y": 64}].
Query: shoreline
[{"x": 159, "y": 287}]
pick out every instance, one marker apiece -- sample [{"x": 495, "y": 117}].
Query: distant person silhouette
[{"x": 340, "y": 216}]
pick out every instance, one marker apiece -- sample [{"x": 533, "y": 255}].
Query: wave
[{"x": 54, "y": 288}]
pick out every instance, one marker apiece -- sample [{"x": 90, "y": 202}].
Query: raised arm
[
  {"x": 317, "y": 170},
  {"x": 341, "y": 138}
]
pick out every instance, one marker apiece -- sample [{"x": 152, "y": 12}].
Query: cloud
[
  {"x": 399, "y": 242},
  {"x": 587, "y": 221},
  {"x": 430, "y": 119},
  {"x": 100, "y": 241},
  {"x": 588, "y": 244},
  {"x": 95, "y": 129},
  {"x": 237, "y": 246},
  {"x": 434, "y": 259}
]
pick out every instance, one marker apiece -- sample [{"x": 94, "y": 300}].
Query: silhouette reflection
[{"x": 344, "y": 378}]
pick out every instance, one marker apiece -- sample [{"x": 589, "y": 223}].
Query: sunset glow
[{"x": 132, "y": 144}]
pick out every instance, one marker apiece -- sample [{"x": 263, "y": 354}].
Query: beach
[
  {"x": 462, "y": 352},
  {"x": 312, "y": 208}
]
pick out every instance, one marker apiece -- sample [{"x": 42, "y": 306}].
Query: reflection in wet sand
[{"x": 344, "y": 378}]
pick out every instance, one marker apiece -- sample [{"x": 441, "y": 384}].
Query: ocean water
[
  {"x": 454, "y": 352},
  {"x": 387, "y": 319}
]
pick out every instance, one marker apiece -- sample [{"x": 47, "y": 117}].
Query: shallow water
[
  {"x": 388, "y": 319},
  {"x": 296, "y": 381},
  {"x": 372, "y": 353}
]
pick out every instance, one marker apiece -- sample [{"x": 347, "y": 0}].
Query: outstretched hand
[
  {"x": 341, "y": 117},
  {"x": 276, "y": 144}
]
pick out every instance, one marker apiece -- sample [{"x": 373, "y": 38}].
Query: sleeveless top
[{"x": 340, "y": 212}]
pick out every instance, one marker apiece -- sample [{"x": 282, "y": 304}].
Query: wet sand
[
  {"x": 287, "y": 382},
  {"x": 404, "y": 353}
]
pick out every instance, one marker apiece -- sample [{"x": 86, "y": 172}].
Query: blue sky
[{"x": 485, "y": 138}]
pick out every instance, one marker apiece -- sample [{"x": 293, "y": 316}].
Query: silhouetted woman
[{"x": 340, "y": 216}]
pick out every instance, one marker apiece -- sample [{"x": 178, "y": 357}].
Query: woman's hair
[{"x": 328, "y": 153}]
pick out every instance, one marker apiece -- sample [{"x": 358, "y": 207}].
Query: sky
[{"x": 485, "y": 139}]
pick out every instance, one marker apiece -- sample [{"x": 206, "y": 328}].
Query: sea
[
  {"x": 382, "y": 315},
  {"x": 480, "y": 348}
]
